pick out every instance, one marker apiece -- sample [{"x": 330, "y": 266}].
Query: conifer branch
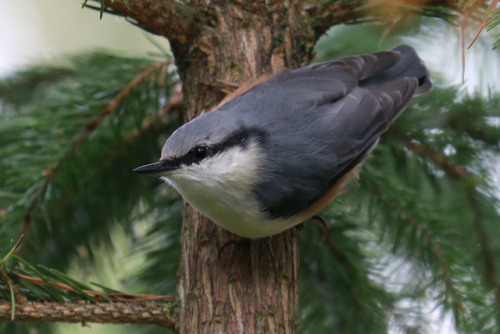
[
  {"x": 438, "y": 159},
  {"x": 428, "y": 154},
  {"x": 96, "y": 295},
  {"x": 405, "y": 218},
  {"x": 458, "y": 172},
  {"x": 484, "y": 22},
  {"x": 490, "y": 270},
  {"x": 88, "y": 130},
  {"x": 174, "y": 105},
  {"x": 181, "y": 24},
  {"x": 150, "y": 313},
  {"x": 329, "y": 13},
  {"x": 110, "y": 306},
  {"x": 438, "y": 254},
  {"x": 169, "y": 18}
]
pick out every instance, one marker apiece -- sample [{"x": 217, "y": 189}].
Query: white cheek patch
[
  {"x": 233, "y": 165},
  {"x": 221, "y": 187},
  {"x": 237, "y": 165}
]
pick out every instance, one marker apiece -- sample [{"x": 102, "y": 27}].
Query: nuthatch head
[{"x": 277, "y": 154}]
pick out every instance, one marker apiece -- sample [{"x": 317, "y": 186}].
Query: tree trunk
[{"x": 243, "y": 286}]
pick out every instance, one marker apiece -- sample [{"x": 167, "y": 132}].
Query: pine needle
[
  {"x": 13, "y": 250},
  {"x": 484, "y": 22},
  {"x": 6, "y": 279}
]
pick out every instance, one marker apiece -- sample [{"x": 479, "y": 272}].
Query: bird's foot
[{"x": 321, "y": 223}]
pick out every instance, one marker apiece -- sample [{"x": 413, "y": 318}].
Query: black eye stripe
[
  {"x": 241, "y": 138},
  {"x": 195, "y": 155},
  {"x": 238, "y": 138}
]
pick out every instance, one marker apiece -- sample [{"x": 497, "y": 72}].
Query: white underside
[{"x": 221, "y": 189}]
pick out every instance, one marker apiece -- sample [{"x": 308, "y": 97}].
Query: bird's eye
[{"x": 200, "y": 152}]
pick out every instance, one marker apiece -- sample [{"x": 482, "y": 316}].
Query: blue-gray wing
[{"x": 322, "y": 120}]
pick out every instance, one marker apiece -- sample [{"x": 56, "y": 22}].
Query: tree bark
[
  {"x": 228, "y": 284},
  {"x": 151, "y": 313}
]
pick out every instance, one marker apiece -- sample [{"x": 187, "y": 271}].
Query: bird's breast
[{"x": 222, "y": 188}]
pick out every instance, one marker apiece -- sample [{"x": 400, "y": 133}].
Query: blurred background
[
  {"x": 34, "y": 31},
  {"x": 52, "y": 32}
]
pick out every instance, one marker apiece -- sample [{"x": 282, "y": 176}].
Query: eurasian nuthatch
[{"x": 277, "y": 154}]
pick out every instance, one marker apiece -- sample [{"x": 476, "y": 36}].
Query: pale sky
[{"x": 33, "y": 30}]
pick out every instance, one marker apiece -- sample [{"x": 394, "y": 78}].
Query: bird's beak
[{"x": 156, "y": 168}]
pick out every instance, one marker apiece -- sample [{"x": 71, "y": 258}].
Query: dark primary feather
[{"x": 322, "y": 120}]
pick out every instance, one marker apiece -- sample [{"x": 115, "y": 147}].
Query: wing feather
[{"x": 323, "y": 119}]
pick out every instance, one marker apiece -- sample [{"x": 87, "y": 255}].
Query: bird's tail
[{"x": 408, "y": 65}]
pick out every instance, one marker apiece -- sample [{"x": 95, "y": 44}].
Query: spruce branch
[
  {"x": 490, "y": 269},
  {"x": 458, "y": 173},
  {"x": 470, "y": 10},
  {"x": 13, "y": 250},
  {"x": 181, "y": 24},
  {"x": 432, "y": 241},
  {"x": 4, "y": 277},
  {"x": 95, "y": 295},
  {"x": 143, "y": 313},
  {"x": 428, "y": 154},
  {"x": 86, "y": 305},
  {"x": 174, "y": 104},
  {"x": 326, "y": 14},
  {"x": 484, "y": 22},
  {"x": 87, "y": 131},
  {"x": 398, "y": 20},
  {"x": 169, "y": 18}
]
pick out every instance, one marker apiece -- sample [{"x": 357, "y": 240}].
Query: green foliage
[
  {"x": 405, "y": 9},
  {"x": 493, "y": 22},
  {"x": 41, "y": 129},
  {"x": 82, "y": 127}
]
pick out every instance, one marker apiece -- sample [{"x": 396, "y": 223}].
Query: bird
[{"x": 276, "y": 154}]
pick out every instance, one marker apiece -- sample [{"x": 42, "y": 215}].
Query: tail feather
[{"x": 408, "y": 65}]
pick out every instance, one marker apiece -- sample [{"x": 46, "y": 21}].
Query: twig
[
  {"x": 160, "y": 314},
  {"x": 468, "y": 13},
  {"x": 88, "y": 130},
  {"x": 438, "y": 159},
  {"x": 483, "y": 23},
  {"x": 462, "y": 41},
  {"x": 327, "y": 14},
  {"x": 169, "y": 18},
  {"x": 95, "y": 294},
  {"x": 175, "y": 102},
  {"x": 14, "y": 249},
  {"x": 393, "y": 25},
  {"x": 6, "y": 279}
]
